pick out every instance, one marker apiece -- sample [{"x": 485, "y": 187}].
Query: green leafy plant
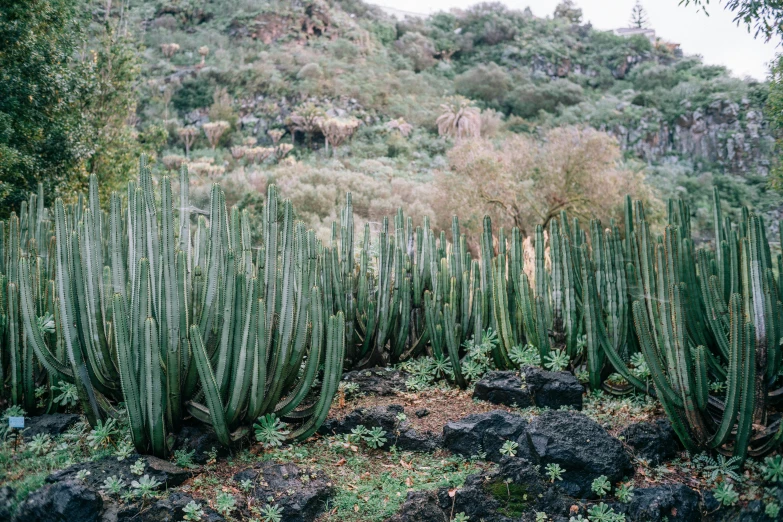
[
  {"x": 375, "y": 438},
  {"x": 124, "y": 450},
  {"x": 725, "y": 494},
  {"x": 246, "y": 485},
  {"x": 270, "y": 431},
  {"x": 460, "y": 517},
  {"x": 184, "y": 458},
  {"x": 103, "y": 434},
  {"x": 82, "y": 475},
  {"x": 113, "y": 485},
  {"x": 624, "y": 493},
  {"x": 271, "y": 513},
  {"x": 509, "y": 448},
  {"x": 721, "y": 467},
  {"x": 773, "y": 469},
  {"x": 225, "y": 503},
  {"x": 145, "y": 487},
  {"x": 772, "y": 510},
  {"x": 527, "y": 355},
  {"x": 556, "y": 361},
  {"x": 601, "y": 486},
  {"x": 554, "y": 472},
  {"x": 40, "y": 444},
  {"x": 138, "y": 467},
  {"x": 193, "y": 511},
  {"x": 603, "y": 513}
]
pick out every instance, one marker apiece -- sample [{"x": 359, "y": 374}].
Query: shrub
[{"x": 530, "y": 98}]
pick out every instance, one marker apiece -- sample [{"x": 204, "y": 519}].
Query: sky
[{"x": 716, "y": 37}]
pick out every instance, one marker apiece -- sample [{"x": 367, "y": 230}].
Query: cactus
[
  {"x": 25, "y": 236},
  {"x": 166, "y": 327},
  {"x": 721, "y": 322}
]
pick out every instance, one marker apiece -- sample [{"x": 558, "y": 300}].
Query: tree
[
  {"x": 639, "y": 16},
  {"x": 765, "y": 16},
  {"x": 459, "y": 119},
  {"x": 525, "y": 182},
  {"x": 111, "y": 67},
  {"x": 568, "y": 10},
  {"x": 214, "y": 131},
  {"x": 41, "y": 128}
]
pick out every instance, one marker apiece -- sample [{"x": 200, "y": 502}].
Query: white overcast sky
[{"x": 716, "y": 37}]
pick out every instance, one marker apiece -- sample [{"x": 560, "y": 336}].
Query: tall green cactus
[
  {"x": 173, "y": 329},
  {"x": 714, "y": 316}
]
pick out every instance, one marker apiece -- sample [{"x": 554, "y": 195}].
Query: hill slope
[{"x": 687, "y": 124}]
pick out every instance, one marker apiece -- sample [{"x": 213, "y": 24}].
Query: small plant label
[{"x": 16, "y": 422}]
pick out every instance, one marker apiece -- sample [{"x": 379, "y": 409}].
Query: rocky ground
[{"x": 517, "y": 447}]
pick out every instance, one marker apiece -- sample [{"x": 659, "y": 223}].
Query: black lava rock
[
  {"x": 553, "y": 390},
  {"x": 420, "y": 506},
  {"x": 652, "y": 441},
  {"x": 503, "y": 388},
  {"x": 7, "y": 497},
  {"x": 169, "y": 509},
  {"x": 300, "y": 493},
  {"x": 515, "y": 491},
  {"x": 673, "y": 502},
  {"x": 378, "y": 381},
  {"x": 533, "y": 386},
  {"x": 65, "y": 501},
  {"x": 200, "y": 440},
  {"x": 581, "y": 447},
  {"x": 485, "y": 432},
  {"x": 52, "y": 425},
  {"x": 166, "y": 473},
  {"x": 398, "y": 433}
]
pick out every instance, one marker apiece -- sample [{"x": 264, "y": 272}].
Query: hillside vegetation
[{"x": 275, "y": 71}]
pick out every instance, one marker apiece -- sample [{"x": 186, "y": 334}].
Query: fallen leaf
[{"x": 340, "y": 462}]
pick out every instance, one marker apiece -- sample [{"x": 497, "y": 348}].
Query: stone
[
  {"x": 654, "y": 442},
  {"x": 581, "y": 447},
  {"x": 532, "y": 386},
  {"x": 378, "y": 381},
  {"x": 503, "y": 387},
  {"x": 300, "y": 500},
  {"x": 515, "y": 489},
  {"x": 485, "y": 432},
  {"x": 7, "y": 498},
  {"x": 169, "y": 475},
  {"x": 398, "y": 433},
  {"x": 64, "y": 501},
  {"x": 200, "y": 440},
  {"x": 553, "y": 390},
  {"x": 169, "y": 509},
  {"x": 672, "y": 502},
  {"x": 420, "y": 506},
  {"x": 422, "y": 412},
  {"x": 53, "y": 424}
]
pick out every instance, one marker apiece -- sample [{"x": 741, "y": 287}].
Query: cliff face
[{"x": 729, "y": 135}]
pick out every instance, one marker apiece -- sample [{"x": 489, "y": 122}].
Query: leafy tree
[
  {"x": 111, "y": 68},
  {"x": 525, "y": 182},
  {"x": 41, "y": 126},
  {"x": 639, "y": 16},
  {"x": 764, "y": 16},
  {"x": 774, "y": 112},
  {"x": 568, "y": 10}
]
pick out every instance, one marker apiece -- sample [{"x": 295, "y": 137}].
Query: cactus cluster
[
  {"x": 178, "y": 317},
  {"x": 709, "y": 326},
  {"x": 174, "y": 320},
  {"x": 417, "y": 292}
]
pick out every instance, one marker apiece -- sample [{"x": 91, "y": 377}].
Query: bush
[
  {"x": 195, "y": 93},
  {"x": 419, "y": 49},
  {"x": 489, "y": 83},
  {"x": 529, "y": 99}
]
